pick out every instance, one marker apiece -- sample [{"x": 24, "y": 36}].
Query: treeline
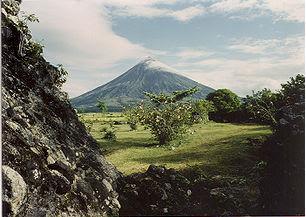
[{"x": 260, "y": 107}]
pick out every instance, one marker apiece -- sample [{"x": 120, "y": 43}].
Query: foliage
[
  {"x": 225, "y": 103},
  {"x": 176, "y": 96},
  {"x": 219, "y": 147},
  {"x": 131, "y": 116},
  {"x": 201, "y": 109},
  {"x": 167, "y": 118},
  {"x": 80, "y": 110},
  {"x": 60, "y": 76},
  {"x": 102, "y": 106},
  {"x": 168, "y": 122},
  {"x": 110, "y": 134},
  {"x": 293, "y": 90},
  {"x": 262, "y": 106}
]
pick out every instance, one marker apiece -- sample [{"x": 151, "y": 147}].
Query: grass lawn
[{"x": 217, "y": 148}]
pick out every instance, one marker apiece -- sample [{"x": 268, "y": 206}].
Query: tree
[
  {"x": 262, "y": 106},
  {"x": 292, "y": 90},
  {"x": 225, "y": 103},
  {"x": 102, "y": 106},
  {"x": 201, "y": 109},
  {"x": 131, "y": 115},
  {"x": 168, "y": 117}
]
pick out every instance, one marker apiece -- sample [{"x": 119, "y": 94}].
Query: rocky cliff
[{"x": 51, "y": 165}]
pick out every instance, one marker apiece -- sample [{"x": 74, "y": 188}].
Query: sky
[{"x": 242, "y": 45}]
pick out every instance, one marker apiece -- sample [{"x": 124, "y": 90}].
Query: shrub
[
  {"x": 110, "y": 135},
  {"x": 131, "y": 115},
  {"x": 292, "y": 91},
  {"x": 262, "y": 106},
  {"x": 60, "y": 76},
  {"x": 200, "y": 110},
  {"x": 102, "y": 106},
  {"x": 225, "y": 103},
  {"x": 167, "y": 118}
]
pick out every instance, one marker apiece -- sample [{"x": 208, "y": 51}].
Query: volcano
[{"x": 148, "y": 75}]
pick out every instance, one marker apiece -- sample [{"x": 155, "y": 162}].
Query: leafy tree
[
  {"x": 167, "y": 117},
  {"x": 102, "y": 106},
  {"x": 284, "y": 153},
  {"x": 293, "y": 90},
  {"x": 162, "y": 99},
  {"x": 131, "y": 115},
  {"x": 225, "y": 103},
  {"x": 201, "y": 109},
  {"x": 262, "y": 106}
]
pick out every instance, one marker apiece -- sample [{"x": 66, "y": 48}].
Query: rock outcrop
[
  {"x": 167, "y": 192},
  {"x": 51, "y": 165}
]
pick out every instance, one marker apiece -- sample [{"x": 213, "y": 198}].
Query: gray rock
[
  {"x": 107, "y": 185},
  {"x": 44, "y": 141},
  {"x": 15, "y": 190}
]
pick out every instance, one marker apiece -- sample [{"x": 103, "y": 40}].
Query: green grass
[{"x": 217, "y": 148}]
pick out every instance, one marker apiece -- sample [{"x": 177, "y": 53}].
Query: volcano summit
[{"x": 148, "y": 75}]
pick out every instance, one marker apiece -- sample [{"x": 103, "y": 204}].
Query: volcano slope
[{"x": 147, "y": 76}]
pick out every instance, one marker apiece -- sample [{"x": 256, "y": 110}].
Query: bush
[
  {"x": 282, "y": 186},
  {"x": 131, "y": 115},
  {"x": 200, "y": 111},
  {"x": 102, "y": 106},
  {"x": 225, "y": 103},
  {"x": 110, "y": 135},
  {"x": 167, "y": 118},
  {"x": 292, "y": 91},
  {"x": 61, "y": 76},
  {"x": 262, "y": 106}
]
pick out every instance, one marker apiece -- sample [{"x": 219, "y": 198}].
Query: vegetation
[
  {"x": 132, "y": 118},
  {"x": 292, "y": 91},
  {"x": 168, "y": 117},
  {"x": 102, "y": 106},
  {"x": 238, "y": 154},
  {"x": 217, "y": 148},
  {"x": 201, "y": 110},
  {"x": 60, "y": 76},
  {"x": 225, "y": 103},
  {"x": 262, "y": 106},
  {"x": 110, "y": 135},
  {"x": 284, "y": 153}
]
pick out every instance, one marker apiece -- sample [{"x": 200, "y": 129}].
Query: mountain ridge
[{"x": 149, "y": 75}]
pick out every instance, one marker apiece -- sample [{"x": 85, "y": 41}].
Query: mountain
[{"x": 149, "y": 75}]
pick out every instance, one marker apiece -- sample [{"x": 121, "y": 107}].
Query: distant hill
[{"x": 149, "y": 75}]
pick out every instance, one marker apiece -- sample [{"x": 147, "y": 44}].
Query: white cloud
[
  {"x": 78, "y": 34},
  {"x": 290, "y": 10},
  {"x": 189, "y": 54},
  {"x": 293, "y": 45},
  {"x": 188, "y": 13},
  {"x": 150, "y": 11},
  {"x": 275, "y": 61},
  {"x": 233, "y": 5},
  {"x": 293, "y": 10}
]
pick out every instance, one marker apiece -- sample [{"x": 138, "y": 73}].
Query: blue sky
[{"x": 242, "y": 45}]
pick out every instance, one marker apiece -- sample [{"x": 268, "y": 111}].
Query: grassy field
[{"x": 214, "y": 147}]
